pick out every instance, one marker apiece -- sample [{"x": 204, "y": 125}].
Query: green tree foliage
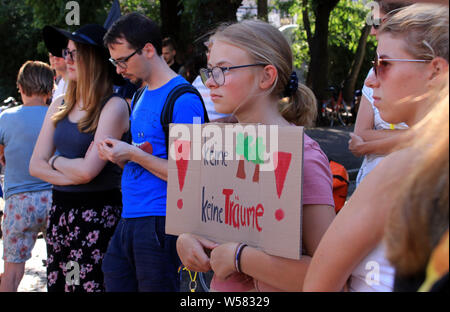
[
  {"x": 149, "y": 8},
  {"x": 18, "y": 42},
  {"x": 21, "y": 23},
  {"x": 346, "y": 23}
]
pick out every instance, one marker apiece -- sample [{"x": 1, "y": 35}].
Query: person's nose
[
  {"x": 68, "y": 60},
  {"x": 372, "y": 81},
  {"x": 120, "y": 70},
  {"x": 211, "y": 83}
]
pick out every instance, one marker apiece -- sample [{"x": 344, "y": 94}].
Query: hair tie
[{"x": 292, "y": 85}]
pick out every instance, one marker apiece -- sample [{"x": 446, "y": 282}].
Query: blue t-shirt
[
  {"x": 144, "y": 194},
  {"x": 19, "y": 130}
]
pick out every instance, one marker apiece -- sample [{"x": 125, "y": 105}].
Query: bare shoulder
[
  {"x": 116, "y": 105},
  {"x": 394, "y": 165},
  {"x": 56, "y": 103}
]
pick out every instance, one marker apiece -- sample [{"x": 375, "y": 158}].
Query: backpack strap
[
  {"x": 167, "y": 112},
  {"x": 341, "y": 178},
  {"x": 137, "y": 96}
]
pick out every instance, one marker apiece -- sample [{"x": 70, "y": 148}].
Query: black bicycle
[{"x": 335, "y": 110}]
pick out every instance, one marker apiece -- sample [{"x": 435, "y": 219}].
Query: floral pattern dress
[{"x": 77, "y": 239}]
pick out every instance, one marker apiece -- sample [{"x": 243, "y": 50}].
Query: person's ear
[
  {"x": 148, "y": 50},
  {"x": 269, "y": 75},
  {"x": 438, "y": 67}
]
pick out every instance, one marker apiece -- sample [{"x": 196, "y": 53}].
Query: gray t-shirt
[{"x": 19, "y": 130}]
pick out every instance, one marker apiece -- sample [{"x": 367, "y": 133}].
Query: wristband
[
  {"x": 52, "y": 163},
  {"x": 237, "y": 262}
]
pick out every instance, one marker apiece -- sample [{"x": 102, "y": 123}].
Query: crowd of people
[{"x": 86, "y": 162}]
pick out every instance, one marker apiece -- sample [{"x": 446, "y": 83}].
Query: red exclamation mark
[
  {"x": 182, "y": 153},
  {"x": 282, "y": 162}
]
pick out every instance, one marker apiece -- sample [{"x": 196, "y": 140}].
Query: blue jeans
[{"x": 141, "y": 257}]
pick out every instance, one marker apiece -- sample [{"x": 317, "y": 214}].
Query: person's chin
[
  {"x": 72, "y": 77},
  {"x": 221, "y": 109},
  {"x": 387, "y": 117}
]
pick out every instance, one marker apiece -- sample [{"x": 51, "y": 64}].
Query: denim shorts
[
  {"x": 25, "y": 215},
  {"x": 141, "y": 257}
]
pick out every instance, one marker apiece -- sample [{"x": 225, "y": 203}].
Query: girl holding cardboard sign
[{"x": 249, "y": 71}]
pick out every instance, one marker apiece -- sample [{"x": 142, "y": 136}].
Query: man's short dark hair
[
  {"x": 137, "y": 29},
  {"x": 168, "y": 42}
]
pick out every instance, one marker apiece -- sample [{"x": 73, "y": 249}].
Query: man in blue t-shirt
[{"x": 140, "y": 256}]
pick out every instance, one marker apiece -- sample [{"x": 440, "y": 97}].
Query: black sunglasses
[{"x": 72, "y": 55}]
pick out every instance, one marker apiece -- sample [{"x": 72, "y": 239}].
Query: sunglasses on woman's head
[{"x": 380, "y": 64}]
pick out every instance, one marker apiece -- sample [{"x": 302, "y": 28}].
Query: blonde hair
[
  {"x": 93, "y": 85},
  {"x": 424, "y": 27},
  {"x": 35, "y": 78},
  {"x": 420, "y": 215},
  {"x": 267, "y": 45},
  {"x": 420, "y": 212}
]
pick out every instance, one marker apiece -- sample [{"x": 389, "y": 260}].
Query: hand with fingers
[
  {"x": 115, "y": 151},
  {"x": 193, "y": 251},
  {"x": 223, "y": 260},
  {"x": 355, "y": 145}
]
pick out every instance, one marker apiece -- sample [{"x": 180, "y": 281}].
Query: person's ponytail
[{"x": 300, "y": 108}]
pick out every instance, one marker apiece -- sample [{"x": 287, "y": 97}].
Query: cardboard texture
[{"x": 228, "y": 200}]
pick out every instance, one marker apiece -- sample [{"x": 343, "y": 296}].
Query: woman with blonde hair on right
[{"x": 410, "y": 83}]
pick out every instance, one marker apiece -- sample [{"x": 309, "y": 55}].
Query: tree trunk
[
  {"x": 263, "y": 13},
  {"x": 350, "y": 82},
  {"x": 317, "y": 78},
  {"x": 170, "y": 11},
  {"x": 306, "y": 23}
]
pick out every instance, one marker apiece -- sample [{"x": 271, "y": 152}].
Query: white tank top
[
  {"x": 373, "y": 274},
  {"x": 371, "y": 160}
]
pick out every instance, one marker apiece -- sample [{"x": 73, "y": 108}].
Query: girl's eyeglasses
[
  {"x": 218, "y": 73},
  {"x": 380, "y": 64}
]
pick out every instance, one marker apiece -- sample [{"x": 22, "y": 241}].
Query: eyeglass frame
[
  {"x": 378, "y": 60},
  {"x": 223, "y": 69},
  {"x": 124, "y": 60},
  {"x": 71, "y": 53}
]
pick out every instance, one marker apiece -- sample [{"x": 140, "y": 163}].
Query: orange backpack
[{"x": 340, "y": 184}]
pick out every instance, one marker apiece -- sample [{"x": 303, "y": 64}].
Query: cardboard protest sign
[{"x": 237, "y": 183}]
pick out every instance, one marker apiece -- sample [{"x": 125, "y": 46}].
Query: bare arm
[
  {"x": 378, "y": 142},
  {"x": 278, "y": 272},
  {"x": 120, "y": 153},
  {"x": 364, "y": 125},
  {"x": 44, "y": 149},
  {"x": 157, "y": 166},
  {"x": 383, "y": 146},
  {"x": 113, "y": 123},
  {"x": 356, "y": 230}
]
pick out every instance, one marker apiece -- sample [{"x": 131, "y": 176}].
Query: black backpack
[{"x": 167, "y": 111}]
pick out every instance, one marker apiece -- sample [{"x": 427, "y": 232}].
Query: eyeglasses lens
[{"x": 218, "y": 76}]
